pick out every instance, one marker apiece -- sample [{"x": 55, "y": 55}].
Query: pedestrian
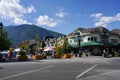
[
  {"x": 119, "y": 52},
  {"x": 11, "y": 54},
  {"x": 104, "y": 53},
  {"x": 53, "y": 53},
  {"x": 80, "y": 53},
  {"x": 14, "y": 54}
]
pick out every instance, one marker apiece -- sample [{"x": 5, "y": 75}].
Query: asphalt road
[{"x": 92, "y": 68}]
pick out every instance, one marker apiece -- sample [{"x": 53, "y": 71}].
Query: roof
[
  {"x": 93, "y": 30},
  {"x": 115, "y": 31},
  {"x": 96, "y": 30}
]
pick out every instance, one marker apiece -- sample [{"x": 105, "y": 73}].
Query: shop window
[
  {"x": 88, "y": 39},
  {"x": 95, "y": 39},
  {"x": 92, "y": 39}
]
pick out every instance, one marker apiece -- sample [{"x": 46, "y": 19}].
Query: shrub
[{"x": 116, "y": 54}]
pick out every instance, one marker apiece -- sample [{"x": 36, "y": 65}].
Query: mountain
[{"x": 28, "y": 32}]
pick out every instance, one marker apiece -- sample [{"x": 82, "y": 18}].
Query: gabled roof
[
  {"x": 116, "y": 31},
  {"x": 94, "y": 30}
]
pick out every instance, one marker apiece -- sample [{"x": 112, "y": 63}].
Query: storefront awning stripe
[{"x": 87, "y": 44}]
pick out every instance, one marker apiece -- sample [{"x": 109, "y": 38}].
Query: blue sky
[{"x": 62, "y": 16}]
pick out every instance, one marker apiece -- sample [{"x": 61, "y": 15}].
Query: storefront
[{"x": 93, "y": 48}]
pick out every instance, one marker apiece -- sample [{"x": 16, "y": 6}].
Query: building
[
  {"x": 60, "y": 41},
  {"x": 50, "y": 42},
  {"x": 95, "y": 40}
]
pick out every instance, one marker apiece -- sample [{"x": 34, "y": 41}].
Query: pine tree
[
  {"x": 5, "y": 43},
  {"x": 66, "y": 46},
  {"x": 38, "y": 41}
]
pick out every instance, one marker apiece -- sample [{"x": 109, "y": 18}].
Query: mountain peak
[{"x": 27, "y": 32}]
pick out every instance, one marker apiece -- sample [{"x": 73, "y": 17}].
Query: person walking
[
  {"x": 80, "y": 53},
  {"x": 53, "y": 53},
  {"x": 11, "y": 54}
]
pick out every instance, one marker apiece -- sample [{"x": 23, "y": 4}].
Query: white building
[{"x": 93, "y": 39}]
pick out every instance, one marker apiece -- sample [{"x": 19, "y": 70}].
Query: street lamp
[
  {"x": 1, "y": 27},
  {"x": 78, "y": 37},
  {"x": 79, "y": 43}
]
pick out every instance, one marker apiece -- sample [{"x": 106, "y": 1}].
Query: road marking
[
  {"x": 78, "y": 76},
  {"x": 102, "y": 74},
  {"x": 26, "y": 72}
]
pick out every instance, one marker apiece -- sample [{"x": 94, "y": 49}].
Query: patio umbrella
[
  {"x": 48, "y": 49},
  {"x": 17, "y": 50}
]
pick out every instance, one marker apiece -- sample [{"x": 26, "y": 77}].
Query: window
[
  {"x": 114, "y": 40},
  {"x": 77, "y": 33},
  {"x": 92, "y": 39},
  {"x": 88, "y": 39},
  {"x": 95, "y": 39},
  {"x": 75, "y": 40},
  {"x": 70, "y": 41},
  {"x": 52, "y": 44}
]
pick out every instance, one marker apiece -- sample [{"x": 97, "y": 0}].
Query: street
[{"x": 91, "y": 68}]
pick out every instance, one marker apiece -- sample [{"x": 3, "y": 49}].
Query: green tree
[
  {"x": 38, "y": 41},
  {"x": 5, "y": 43},
  {"x": 24, "y": 45},
  {"x": 66, "y": 46}
]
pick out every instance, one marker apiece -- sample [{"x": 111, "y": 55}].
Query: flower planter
[
  {"x": 67, "y": 56},
  {"x": 85, "y": 54},
  {"x": 23, "y": 58},
  {"x": 57, "y": 56},
  {"x": 38, "y": 57}
]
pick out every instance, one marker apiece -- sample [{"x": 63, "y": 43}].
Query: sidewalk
[{"x": 89, "y": 59}]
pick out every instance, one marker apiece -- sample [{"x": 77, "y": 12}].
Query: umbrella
[
  {"x": 48, "y": 49},
  {"x": 4, "y": 52},
  {"x": 17, "y": 50}
]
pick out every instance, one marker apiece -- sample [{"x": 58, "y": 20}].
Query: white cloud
[
  {"x": 19, "y": 21},
  {"x": 61, "y": 13},
  {"x": 97, "y": 15},
  {"x": 31, "y": 9},
  {"x": 46, "y": 21},
  {"x": 98, "y": 24},
  {"x": 105, "y": 20},
  {"x": 11, "y": 9},
  {"x": 118, "y": 16}
]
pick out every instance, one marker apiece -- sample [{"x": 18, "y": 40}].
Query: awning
[
  {"x": 87, "y": 44},
  {"x": 91, "y": 44},
  {"x": 110, "y": 44}
]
